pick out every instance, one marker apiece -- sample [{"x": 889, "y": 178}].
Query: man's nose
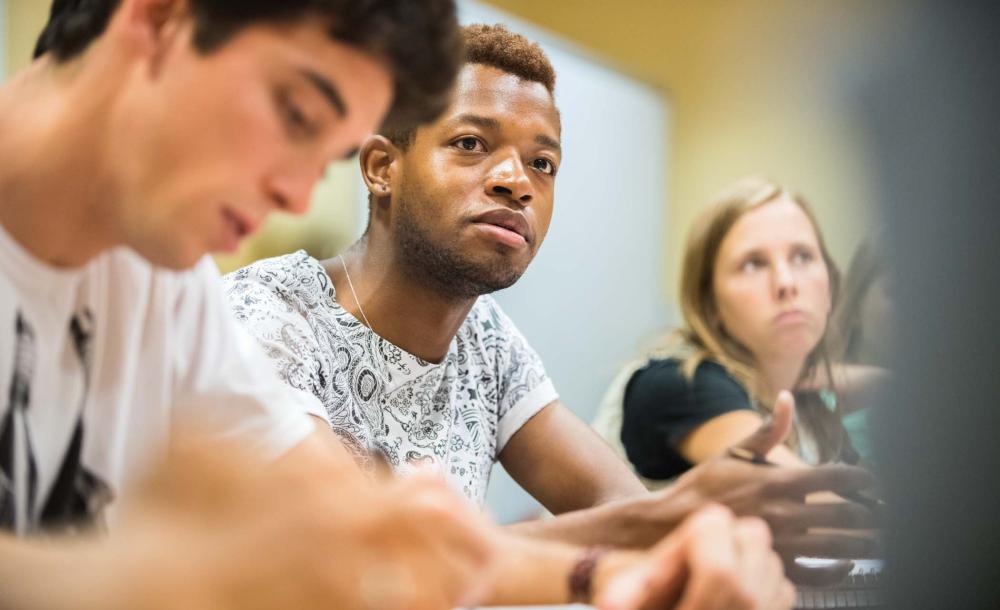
[
  {"x": 291, "y": 191},
  {"x": 509, "y": 179}
]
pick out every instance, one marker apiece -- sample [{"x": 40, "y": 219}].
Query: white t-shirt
[
  {"x": 458, "y": 414},
  {"x": 131, "y": 347}
]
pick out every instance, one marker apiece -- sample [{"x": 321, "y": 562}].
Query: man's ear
[
  {"x": 151, "y": 27},
  {"x": 378, "y": 158}
]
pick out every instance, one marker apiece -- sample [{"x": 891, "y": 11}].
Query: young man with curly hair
[{"x": 402, "y": 351}]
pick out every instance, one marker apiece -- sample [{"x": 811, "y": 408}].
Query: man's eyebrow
[
  {"x": 550, "y": 142},
  {"x": 475, "y": 119},
  {"x": 327, "y": 89}
]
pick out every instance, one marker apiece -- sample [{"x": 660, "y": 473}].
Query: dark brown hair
[{"x": 418, "y": 39}]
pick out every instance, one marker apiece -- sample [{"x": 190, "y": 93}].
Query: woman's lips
[{"x": 794, "y": 316}]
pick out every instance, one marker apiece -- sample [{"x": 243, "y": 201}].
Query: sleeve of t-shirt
[
  {"x": 524, "y": 386},
  {"x": 661, "y": 406},
  {"x": 268, "y": 312},
  {"x": 223, "y": 378}
]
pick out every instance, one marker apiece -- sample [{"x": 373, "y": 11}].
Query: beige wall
[
  {"x": 25, "y": 19},
  {"x": 753, "y": 87}
]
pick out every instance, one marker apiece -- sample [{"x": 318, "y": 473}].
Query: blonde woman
[{"x": 757, "y": 289}]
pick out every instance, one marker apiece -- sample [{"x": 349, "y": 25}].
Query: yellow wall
[
  {"x": 25, "y": 19},
  {"x": 751, "y": 86},
  {"x": 750, "y": 91}
]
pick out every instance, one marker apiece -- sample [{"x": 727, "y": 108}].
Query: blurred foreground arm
[
  {"x": 712, "y": 562},
  {"x": 218, "y": 528}
]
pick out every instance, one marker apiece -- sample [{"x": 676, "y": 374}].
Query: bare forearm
[
  {"x": 47, "y": 575},
  {"x": 536, "y": 572},
  {"x": 636, "y": 522}
]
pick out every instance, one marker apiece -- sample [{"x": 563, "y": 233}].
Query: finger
[
  {"x": 761, "y": 569},
  {"x": 667, "y": 573},
  {"x": 793, "y": 516},
  {"x": 799, "y": 482},
  {"x": 657, "y": 582},
  {"x": 711, "y": 560},
  {"x": 838, "y": 546},
  {"x": 775, "y": 430},
  {"x": 818, "y": 575},
  {"x": 786, "y": 597}
]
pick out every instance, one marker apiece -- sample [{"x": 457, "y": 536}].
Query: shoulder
[
  {"x": 296, "y": 273},
  {"x": 294, "y": 281},
  {"x": 663, "y": 381},
  {"x": 668, "y": 374}
]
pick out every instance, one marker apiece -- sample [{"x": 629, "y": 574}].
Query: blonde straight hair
[{"x": 703, "y": 338}]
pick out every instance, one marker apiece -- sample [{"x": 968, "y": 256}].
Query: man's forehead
[{"x": 487, "y": 91}]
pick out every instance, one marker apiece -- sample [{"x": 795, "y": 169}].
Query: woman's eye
[
  {"x": 544, "y": 165},
  {"x": 470, "y": 144},
  {"x": 751, "y": 264},
  {"x": 802, "y": 256}
]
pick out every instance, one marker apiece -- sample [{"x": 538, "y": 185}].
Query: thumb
[
  {"x": 775, "y": 430},
  {"x": 656, "y": 580}
]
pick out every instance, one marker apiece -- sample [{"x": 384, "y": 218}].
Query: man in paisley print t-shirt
[{"x": 407, "y": 357}]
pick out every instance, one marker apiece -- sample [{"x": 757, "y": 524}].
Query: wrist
[
  {"x": 612, "y": 565},
  {"x": 647, "y": 519},
  {"x": 582, "y": 578}
]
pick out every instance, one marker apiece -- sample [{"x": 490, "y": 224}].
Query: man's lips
[
  {"x": 238, "y": 226},
  {"x": 507, "y": 226}
]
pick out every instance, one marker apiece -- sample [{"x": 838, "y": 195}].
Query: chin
[
  {"x": 799, "y": 346},
  {"x": 171, "y": 256}
]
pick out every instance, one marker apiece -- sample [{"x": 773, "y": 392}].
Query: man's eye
[
  {"x": 544, "y": 165},
  {"x": 470, "y": 144},
  {"x": 294, "y": 118}
]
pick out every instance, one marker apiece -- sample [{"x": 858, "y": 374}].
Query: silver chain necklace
[
  {"x": 350, "y": 285},
  {"x": 446, "y": 464}
]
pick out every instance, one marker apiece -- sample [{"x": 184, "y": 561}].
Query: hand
[
  {"x": 220, "y": 529},
  {"x": 778, "y": 495},
  {"x": 712, "y": 561}
]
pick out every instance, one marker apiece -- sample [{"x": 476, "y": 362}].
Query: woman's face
[{"x": 771, "y": 285}]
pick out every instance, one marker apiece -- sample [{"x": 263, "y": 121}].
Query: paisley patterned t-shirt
[{"x": 457, "y": 414}]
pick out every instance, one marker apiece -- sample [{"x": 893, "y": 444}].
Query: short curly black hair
[
  {"x": 418, "y": 39},
  {"x": 497, "y": 47}
]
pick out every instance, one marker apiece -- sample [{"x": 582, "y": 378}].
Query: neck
[
  {"x": 53, "y": 192},
  {"x": 780, "y": 374},
  {"x": 402, "y": 309}
]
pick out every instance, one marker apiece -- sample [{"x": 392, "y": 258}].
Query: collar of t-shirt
[
  {"x": 38, "y": 284},
  {"x": 400, "y": 365}
]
